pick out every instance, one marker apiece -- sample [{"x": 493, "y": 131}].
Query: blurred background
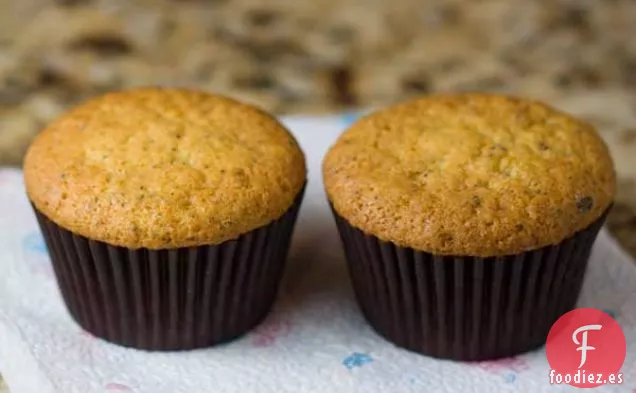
[
  {"x": 326, "y": 56},
  {"x": 313, "y": 56}
]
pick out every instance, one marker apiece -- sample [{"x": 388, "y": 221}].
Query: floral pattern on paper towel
[
  {"x": 4, "y": 177},
  {"x": 508, "y": 368},
  {"x": 510, "y": 378},
  {"x": 515, "y": 364},
  {"x": 82, "y": 348},
  {"x": 349, "y": 118},
  {"x": 117, "y": 387},
  {"x": 34, "y": 243},
  {"x": 356, "y": 359},
  {"x": 37, "y": 255},
  {"x": 269, "y": 332},
  {"x": 611, "y": 313}
]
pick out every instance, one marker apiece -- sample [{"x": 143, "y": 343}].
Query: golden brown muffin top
[
  {"x": 164, "y": 168},
  {"x": 470, "y": 174}
]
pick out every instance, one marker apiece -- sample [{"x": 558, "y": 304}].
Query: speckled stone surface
[{"x": 324, "y": 56}]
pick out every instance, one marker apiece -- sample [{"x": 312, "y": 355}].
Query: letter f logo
[{"x": 584, "y": 347}]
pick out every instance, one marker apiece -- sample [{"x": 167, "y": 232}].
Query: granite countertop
[{"x": 323, "y": 56}]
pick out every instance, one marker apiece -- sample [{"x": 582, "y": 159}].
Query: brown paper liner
[
  {"x": 173, "y": 299},
  {"x": 465, "y": 308}
]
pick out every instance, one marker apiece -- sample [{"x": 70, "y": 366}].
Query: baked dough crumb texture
[
  {"x": 163, "y": 168},
  {"x": 470, "y": 175}
]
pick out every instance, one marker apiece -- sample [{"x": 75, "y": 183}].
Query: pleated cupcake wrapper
[
  {"x": 465, "y": 308},
  {"x": 172, "y": 299}
]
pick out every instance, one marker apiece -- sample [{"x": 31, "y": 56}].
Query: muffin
[
  {"x": 467, "y": 220},
  {"x": 168, "y": 214}
]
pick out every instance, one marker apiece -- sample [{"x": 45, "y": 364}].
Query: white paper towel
[{"x": 314, "y": 341}]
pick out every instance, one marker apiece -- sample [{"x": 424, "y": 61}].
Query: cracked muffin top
[
  {"x": 163, "y": 168},
  {"x": 470, "y": 175}
]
